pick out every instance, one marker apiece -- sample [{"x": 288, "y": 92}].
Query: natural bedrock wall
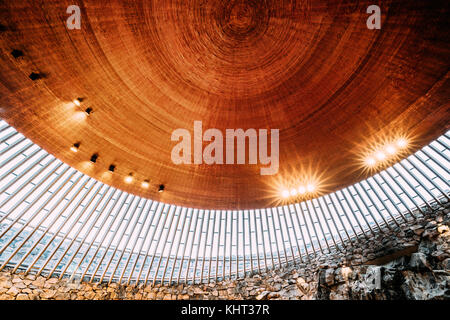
[{"x": 407, "y": 262}]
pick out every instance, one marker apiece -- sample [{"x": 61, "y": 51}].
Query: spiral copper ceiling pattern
[{"x": 311, "y": 69}]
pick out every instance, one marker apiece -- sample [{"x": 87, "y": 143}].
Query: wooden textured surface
[{"x": 309, "y": 68}]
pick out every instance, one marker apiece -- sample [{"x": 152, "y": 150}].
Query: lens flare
[
  {"x": 391, "y": 150},
  {"x": 402, "y": 143},
  {"x": 128, "y": 179},
  {"x": 380, "y": 155},
  {"x": 301, "y": 190}
]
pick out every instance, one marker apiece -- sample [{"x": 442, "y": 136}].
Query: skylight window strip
[
  {"x": 72, "y": 225},
  {"x": 284, "y": 233},
  {"x": 11, "y": 146},
  {"x": 224, "y": 245},
  {"x": 211, "y": 247},
  {"x": 425, "y": 190},
  {"x": 181, "y": 233},
  {"x": 151, "y": 253},
  {"x": 134, "y": 202},
  {"x": 314, "y": 222},
  {"x": 404, "y": 192},
  {"x": 20, "y": 190},
  {"x": 325, "y": 210},
  {"x": 105, "y": 218},
  {"x": 303, "y": 239},
  {"x": 288, "y": 233},
  {"x": 430, "y": 166},
  {"x": 171, "y": 212},
  {"x": 106, "y": 234},
  {"x": 191, "y": 216},
  {"x": 264, "y": 248},
  {"x": 275, "y": 230},
  {"x": 410, "y": 184},
  {"x": 197, "y": 255},
  {"x": 140, "y": 207},
  {"x": 289, "y": 214},
  {"x": 322, "y": 218},
  {"x": 443, "y": 144},
  {"x": 194, "y": 247},
  {"x": 299, "y": 208},
  {"x": 401, "y": 206},
  {"x": 177, "y": 212},
  {"x": 48, "y": 215},
  {"x": 218, "y": 245},
  {"x": 26, "y": 183},
  {"x": 8, "y": 136},
  {"x": 440, "y": 158},
  {"x": 361, "y": 203},
  {"x": 352, "y": 221},
  {"x": 16, "y": 156},
  {"x": 357, "y": 212},
  {"x": 378, "y": 210},
  {"x": 273, "y": 240},
  {"x": 34, "y": 214},
  {"x": 21, "y": 214}
]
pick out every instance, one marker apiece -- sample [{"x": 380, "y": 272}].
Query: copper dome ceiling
[{"x": 311, "y": 69}]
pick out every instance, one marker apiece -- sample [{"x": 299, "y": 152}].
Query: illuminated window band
[{"x": 56, "y": 221}]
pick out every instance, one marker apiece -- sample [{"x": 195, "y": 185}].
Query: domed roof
[{"x": 311, "y": 69}]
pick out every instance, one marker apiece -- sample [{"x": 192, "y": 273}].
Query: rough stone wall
[{"x": 352, "y": 273}]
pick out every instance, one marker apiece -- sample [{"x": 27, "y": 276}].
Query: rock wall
[{"x": 419, "y": 268}]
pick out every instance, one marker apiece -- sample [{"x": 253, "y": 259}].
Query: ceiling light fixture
[
  {"x": 145, "y": 184},
  {"x": 293, "y": 192},
  {"x": 94, "y": 158},
  {"x": 370, "y": 161},
  {"x": 129, "y": 178},
  {"x": 17, "y": 53},
  {"x": 75, "y": 147},
  {"x": 112, "y": 168},
  {"x": 161, "y": 188},
  {"x": 310, "y": 187},
  {"x": 390, "y": 149},
  {"x": 402, "y": 143},
  {"x": 78, "y": 101},
  {"x": 301, "y": 190},
  {"x": 285, "y": 193},
  {"x": 88, "y": 111},
  {"x": 380, "y": 155}
]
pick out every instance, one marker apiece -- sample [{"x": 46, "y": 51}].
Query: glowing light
[
  {"x": 402, "y": 143},
  {"x": 370, "y": 161},
  {"x": 380, "y": 155},
  {"x": 77, "y": 102},
  {"x": 310, "y": 187},
  {"x": 129, "y": 178},
  {"x": 301, "y": 190},
  {"x": 145, "y": 184},
  {"x": 293, "y": 192},
  {"x": 75, "y": 147},
  {"x": 285, "y": 193},
  {"x": 390, "y": 149}
]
